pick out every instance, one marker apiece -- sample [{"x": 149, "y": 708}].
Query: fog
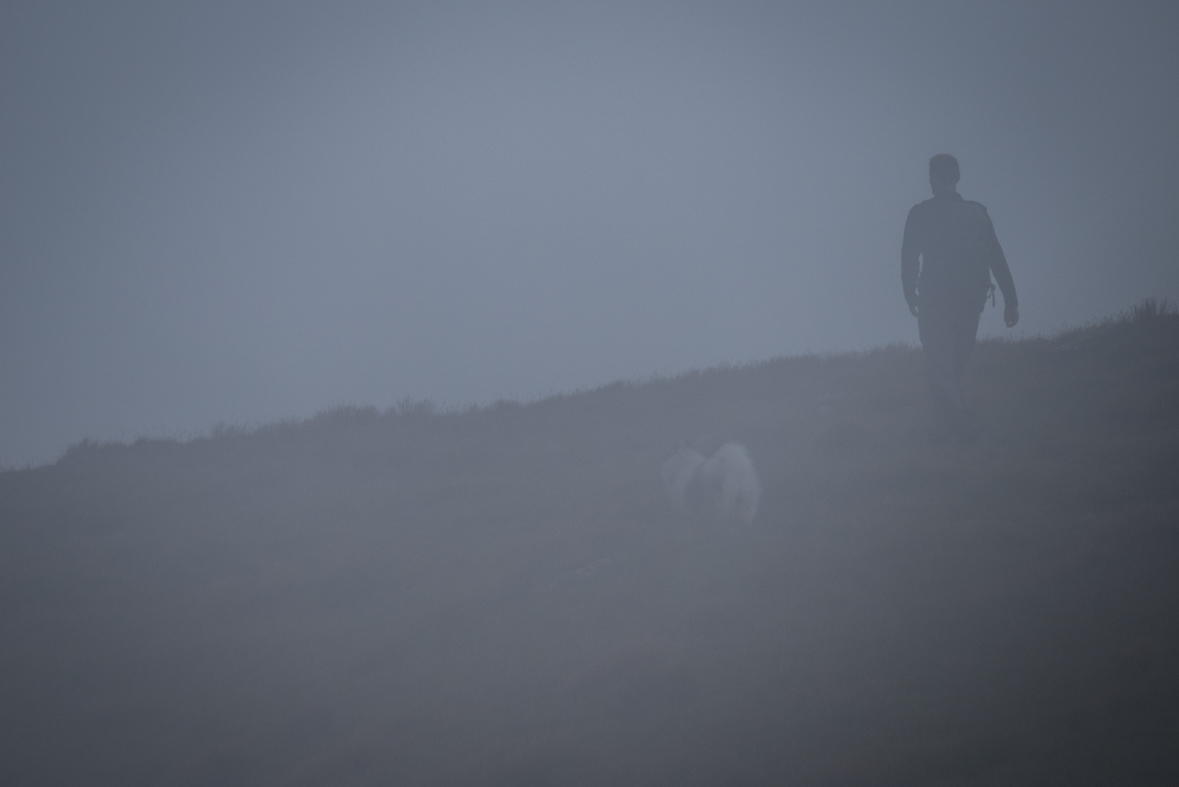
[
  {"x": 517, "y": 595},
  {"x": 245, "y": 211}
]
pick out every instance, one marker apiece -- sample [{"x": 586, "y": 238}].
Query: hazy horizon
[{"x": 242, "y": 212}]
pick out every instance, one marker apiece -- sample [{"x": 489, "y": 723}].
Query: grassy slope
[{"x": 503, "y": 596}]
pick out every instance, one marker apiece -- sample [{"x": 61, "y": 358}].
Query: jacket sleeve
[
  {"x": 910, "y": 264},
  {"x": 999, "y": 267}
]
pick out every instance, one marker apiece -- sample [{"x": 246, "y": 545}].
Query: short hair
[{"x": 944, "y": 168}]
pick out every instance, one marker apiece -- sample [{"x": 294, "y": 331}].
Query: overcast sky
[{"x": 240, "y": 210}]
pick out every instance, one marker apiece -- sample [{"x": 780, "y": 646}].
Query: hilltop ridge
[{"x": 503, "y": 595}]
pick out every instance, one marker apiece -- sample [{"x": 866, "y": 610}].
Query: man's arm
[
  {"x": 910, "y": 264},
  {"x": 1002, "y": 275}
]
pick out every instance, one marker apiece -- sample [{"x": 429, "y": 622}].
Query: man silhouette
[{"x": 948, "y": 255}]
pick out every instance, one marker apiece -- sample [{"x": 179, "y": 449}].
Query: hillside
[{"x": 504, "y": 596}]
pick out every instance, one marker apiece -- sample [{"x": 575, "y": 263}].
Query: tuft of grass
[
  {"x": 1150, "y": 309},
  {"x": 414, "y": 408}
]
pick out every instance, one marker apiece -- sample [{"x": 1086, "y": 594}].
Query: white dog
[{"x": 724, "y": 485}]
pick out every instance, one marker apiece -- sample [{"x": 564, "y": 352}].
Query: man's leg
[
  {"x": 939, "y": 347},
  {"x": 965, "y": 335}
]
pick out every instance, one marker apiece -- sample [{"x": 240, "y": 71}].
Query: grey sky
[{"x": 243, "y": 211}]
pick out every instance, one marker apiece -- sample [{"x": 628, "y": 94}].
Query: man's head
[{"x": 943, "y": 172}]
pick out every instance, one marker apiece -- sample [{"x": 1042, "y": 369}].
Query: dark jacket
[{"x": 958, "y": 251}]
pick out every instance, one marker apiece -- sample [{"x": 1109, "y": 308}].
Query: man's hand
[{"x": 1011, "y": 315}]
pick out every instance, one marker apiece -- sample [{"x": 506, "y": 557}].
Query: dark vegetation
[{"x": 503, "y": 596}]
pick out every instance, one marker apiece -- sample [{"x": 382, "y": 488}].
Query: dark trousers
[{"x": 947, "y": 334}]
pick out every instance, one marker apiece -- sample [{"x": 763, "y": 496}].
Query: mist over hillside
[{"x": 505, "y": 595}]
